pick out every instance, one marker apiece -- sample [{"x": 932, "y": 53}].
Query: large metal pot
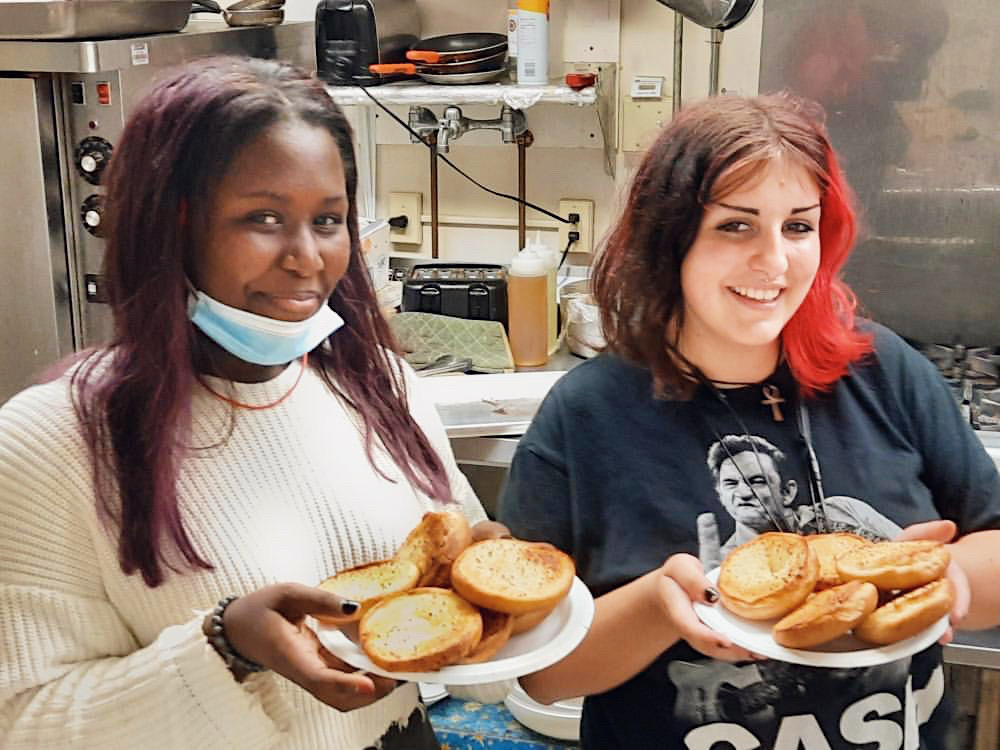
[
  {"x": 91, "y": 19},
  {"x": 712, "y": 14}
]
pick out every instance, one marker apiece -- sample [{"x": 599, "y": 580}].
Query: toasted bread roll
[
  {"x": 513, "y": 576},
  {"x": 828, "y": 547},
  {"x": 367, "y": 584},
  {"x": 497, "y": 628},
  {"x": 524, "y": 623},
  {"x": 434, "y": 544},
  {"x": 768, "y": 577},
  {"x": 826, "y": 615},
  {"x": 895, "y": 565},
  {"x": 420, "y": 630},
  {"x": 908, "y": 614}
]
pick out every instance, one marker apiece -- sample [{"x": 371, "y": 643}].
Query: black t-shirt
[{"x": 621, "y": 481}]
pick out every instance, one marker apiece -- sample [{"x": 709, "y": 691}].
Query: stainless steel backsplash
[{"x": 912, "y": 94}]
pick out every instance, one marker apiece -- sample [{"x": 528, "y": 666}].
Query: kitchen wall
[{"x": 635, "y": 34}]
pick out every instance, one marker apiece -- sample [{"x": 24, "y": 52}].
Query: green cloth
[{"x": 424, "y": 337}]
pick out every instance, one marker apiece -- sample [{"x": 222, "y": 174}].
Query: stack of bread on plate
[
  {"x": 824, "y": 586},
  {"x": 444, "y": 600}
]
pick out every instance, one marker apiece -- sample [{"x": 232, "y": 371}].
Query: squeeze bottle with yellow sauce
[
  {"x": 551, "y": 259},
  {"x": 527, "y": 308}
]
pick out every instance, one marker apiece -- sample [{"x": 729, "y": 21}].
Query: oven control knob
[
  {"x": 92, "y": 214},
  {"x": 92, "y": 156}
]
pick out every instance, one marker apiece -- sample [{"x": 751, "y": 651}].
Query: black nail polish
[
  {"x": 711, "y": 595},
  {"x": 349, "y": 607}
]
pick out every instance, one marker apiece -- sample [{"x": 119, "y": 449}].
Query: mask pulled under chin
[{"x": 258, "y": 339}]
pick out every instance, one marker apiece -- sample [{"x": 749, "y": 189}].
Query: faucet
[{"x": 453, "y": 125}]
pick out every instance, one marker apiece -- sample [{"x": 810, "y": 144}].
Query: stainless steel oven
[{"x": 64, "y": 104}]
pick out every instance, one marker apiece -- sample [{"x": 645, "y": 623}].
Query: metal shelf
[
  {"x": 513, "y": 95},
  {"x": 601, "y": 97}
]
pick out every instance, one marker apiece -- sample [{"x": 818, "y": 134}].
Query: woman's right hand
[
  {"x": 682, "y": 581},
  {"x": 268, "y": 627}
]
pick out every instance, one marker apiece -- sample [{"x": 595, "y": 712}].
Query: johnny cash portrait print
[{"x": 775, "y": 704}]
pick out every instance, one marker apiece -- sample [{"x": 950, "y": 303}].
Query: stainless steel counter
[
  {"x": 485, "y": 426},
  {"x": 979, "y": 648}
]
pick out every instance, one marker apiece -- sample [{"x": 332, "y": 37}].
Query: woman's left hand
[
  {"x": 268, "y": 626},
  {"x": 489, "y": 530},
  {"x": 945, "y": 531}
]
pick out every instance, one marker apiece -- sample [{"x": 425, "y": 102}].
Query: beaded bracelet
[{"x": 240, "y": 666}]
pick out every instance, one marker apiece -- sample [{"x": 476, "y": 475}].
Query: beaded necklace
[{"x": 256, "y": 407}]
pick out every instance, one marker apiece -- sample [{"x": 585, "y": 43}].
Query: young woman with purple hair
[{"x": 247, "y": 432}]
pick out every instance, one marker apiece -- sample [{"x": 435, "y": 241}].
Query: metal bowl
[
  {"x": 253, "y": 17},
  {"x": 256, "y": 5}
]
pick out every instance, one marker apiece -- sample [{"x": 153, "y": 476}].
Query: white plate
[
  {"x": 846, "y": 651},
  {"x": 560, "y": 720},
  {"x": 546, "y": 643},
  {"x": 431, "y": 694}
]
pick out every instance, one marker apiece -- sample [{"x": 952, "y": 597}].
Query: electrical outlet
[
  {"x": 410, "y": 206},
  {"x": 585, "y": 226}
]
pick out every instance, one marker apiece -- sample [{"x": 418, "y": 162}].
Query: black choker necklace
[
  {"x": 734, "y": 383},
  {"x": 772, "y": 394}
]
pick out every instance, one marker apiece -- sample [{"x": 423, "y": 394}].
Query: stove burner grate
[{"x": 974, "y": 376}]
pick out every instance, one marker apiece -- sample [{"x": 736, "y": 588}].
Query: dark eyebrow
[
  {"x": 337, "y": 198},
  {"x": 755, "y": 212}
]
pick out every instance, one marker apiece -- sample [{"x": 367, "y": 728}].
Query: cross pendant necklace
[{"x": 772, "y": 398}]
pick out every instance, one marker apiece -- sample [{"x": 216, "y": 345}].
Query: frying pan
[
  {"x": 471, "y": 66},
  {"x": 478, "y": 75},
  {"x": 481, "y": 76},
  {"x": 452, "y": 48}
]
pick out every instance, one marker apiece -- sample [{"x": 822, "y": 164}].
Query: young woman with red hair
[
  {"x": 739, "y": 394},
  {"x": 171, "y": 501}
]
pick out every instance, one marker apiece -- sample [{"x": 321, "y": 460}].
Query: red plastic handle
[
  {"x": 391, "y": 68},
  {"x": 424, "y": 56}
]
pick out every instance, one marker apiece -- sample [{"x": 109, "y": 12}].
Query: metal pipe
[
  {"x": 713, "y": 65},
  {"x": 432, "y": 141},
  {"x": 524, "y": 141},
  {"x": 678, "y": 59}
]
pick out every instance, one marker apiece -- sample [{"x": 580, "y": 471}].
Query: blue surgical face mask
[{"x": 256, "y": 338}]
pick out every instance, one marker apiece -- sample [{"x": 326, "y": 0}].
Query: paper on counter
[
  {"x": 482, "y": 405},
  {"x": 499, "y": 387}
]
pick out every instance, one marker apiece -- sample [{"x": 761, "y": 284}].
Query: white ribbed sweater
[{"x": 91, "y": 658}]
